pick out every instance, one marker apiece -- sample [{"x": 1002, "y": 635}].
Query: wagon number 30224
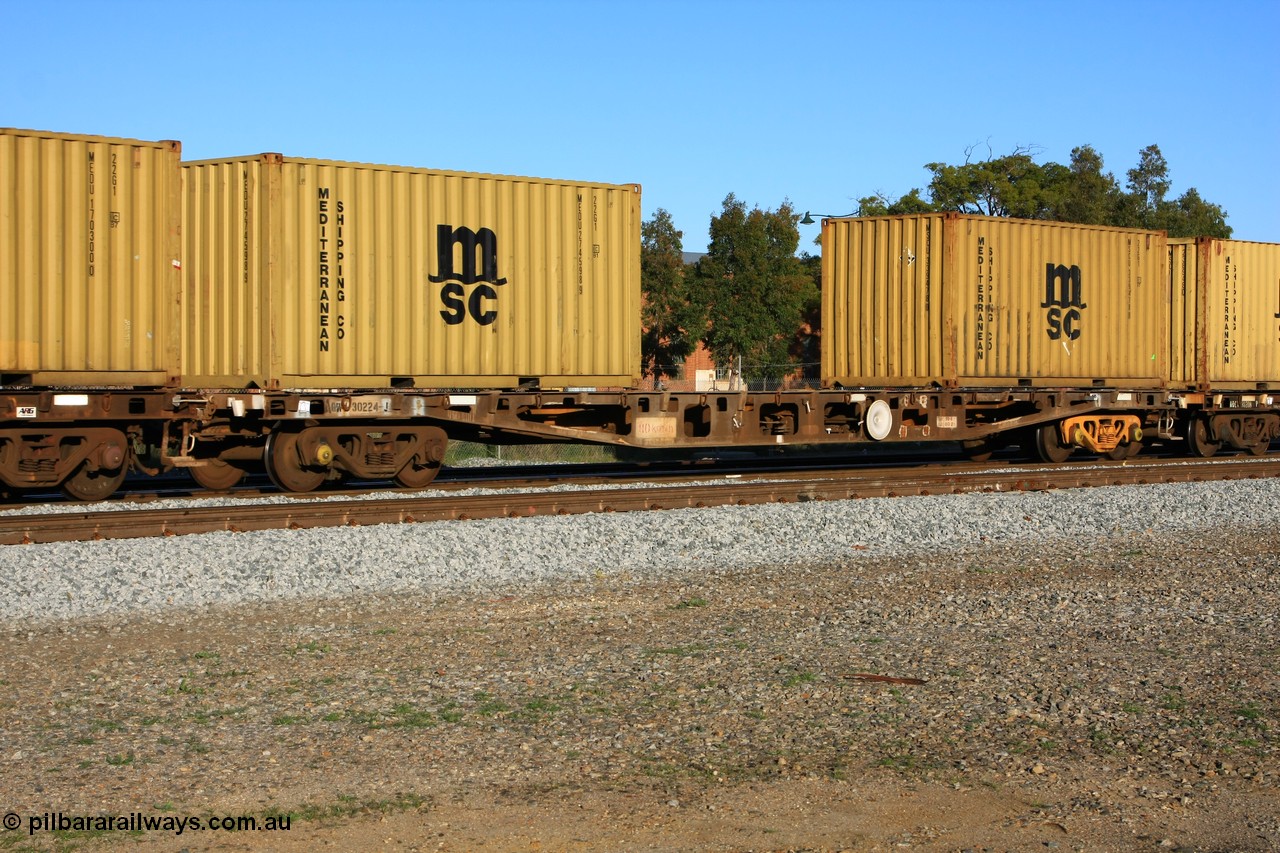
[{"x": 360, "y": 406}]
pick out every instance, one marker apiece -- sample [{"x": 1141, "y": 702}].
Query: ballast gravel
[{"x": 119, "y": 577}]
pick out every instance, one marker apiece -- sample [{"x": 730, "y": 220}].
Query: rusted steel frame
[
  {"x": 711, "y": 419},
  {"x": 659, "y": 419},
  {"x": 74, "y": 406}
]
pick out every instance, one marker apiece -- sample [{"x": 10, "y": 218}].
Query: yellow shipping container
[
  {"x": 89, "y": 246},
  {"x": 1226, "y": 329},
  {"x": 975, "y": 301},
  {"x": 317, "y": 274}
]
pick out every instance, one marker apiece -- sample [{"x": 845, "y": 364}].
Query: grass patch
[
  {"x": 409, "y": 717},
  {"x": 1101, "y": 739},
  {"x": 345, "y": 806},
  {"x": 1249, "y": 712},
  {"x": 678, "y": 651},
  {"x": 187, "y": 687},
  {"x": 799, "y": 678},
  {"x": 537, "y": 709},
  {"x": 904, "y": 761}
]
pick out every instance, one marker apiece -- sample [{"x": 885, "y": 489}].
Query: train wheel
[
  {"x": 284, "y": 465},
  {"x": 217, "y": 476},
  {"x": 86, "y": 485},
  {"x": 979, "y": 450},
  {"x": 417, "y": 476},
  {"x": 1124, "y": 451},
  {"x": 1259, "y": 448},
  {"x": 1120, "y": 451},
  {"x": 1198, "y": 441},
  {"x": 1049, "y": 445}
]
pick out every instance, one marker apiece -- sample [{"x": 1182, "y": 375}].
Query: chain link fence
[{"x": 751, "y": 376}]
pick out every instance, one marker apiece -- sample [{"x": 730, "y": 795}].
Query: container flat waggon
[{"x": 323, "y": 319}]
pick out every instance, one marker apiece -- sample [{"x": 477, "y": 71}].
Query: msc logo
[
  {"x": 479, "y": 254},
  {"x": 1062, "y": 298}
]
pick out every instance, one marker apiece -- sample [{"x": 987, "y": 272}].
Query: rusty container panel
[
  {"x": 306, "y": 273},
  {"x": 884, "y": 322},
  {"x": 89, "y": 249},
  {"x": 980, "y": 301},
  {"x": 1233, "y": 321}
]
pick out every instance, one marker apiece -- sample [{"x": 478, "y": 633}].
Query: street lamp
[{"x": 809, "y": 220}]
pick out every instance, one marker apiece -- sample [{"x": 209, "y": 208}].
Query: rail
[{"x": 816, "y": 486}]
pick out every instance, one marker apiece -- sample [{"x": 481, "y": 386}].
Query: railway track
[
  {"x": 533, "y": 475},
  {"x": 839, "y": 484}
]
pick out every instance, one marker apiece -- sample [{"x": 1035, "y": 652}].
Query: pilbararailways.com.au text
[{"x": 139, "y": 822}]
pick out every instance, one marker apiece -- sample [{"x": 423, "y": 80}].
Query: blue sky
[{"x": 816, "y": 102}]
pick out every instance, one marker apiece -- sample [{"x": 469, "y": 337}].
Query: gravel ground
[
  {"x": 120, "y": 577},
  {"x": 1099, "y": 672}
]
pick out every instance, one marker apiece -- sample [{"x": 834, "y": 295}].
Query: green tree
[
  {"x": 806, "y": 345},
  {"x": 672, "y": 321},
  {"x": 1192, "y": 216},
  {"x": 1148, "y": 183},
  {"x": 1087, "y": 193},
  {"x": 754, "y": 287},
  {"x": 1012, "y": 185},
  {"x": 880, "y": 205},
  {"x": 1145, "y": 205},
  {"x": 1015, "y": 185}
]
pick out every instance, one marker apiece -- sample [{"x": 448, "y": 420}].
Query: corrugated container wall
[
  {"x": 304, "y": 273},
  {"x": 1226, "y": 331},
  {"x": 89, "y": 242},
  {"x": 978, "y": 301}
]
